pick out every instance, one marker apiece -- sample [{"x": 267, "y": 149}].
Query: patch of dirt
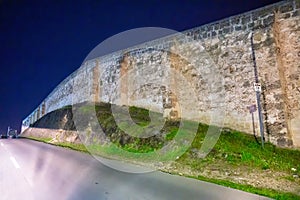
[{"x": 280, "y": 181}]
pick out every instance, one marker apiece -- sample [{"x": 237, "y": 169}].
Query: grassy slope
[{"x": 239, "y": 150}]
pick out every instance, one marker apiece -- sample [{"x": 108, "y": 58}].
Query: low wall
[{"x": 56, "y": 135}]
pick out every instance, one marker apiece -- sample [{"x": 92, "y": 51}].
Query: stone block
[
  {"x": 286, "y": 15},
  {"x": 246, "y": 19},
  {"x": 213, "y": 33},
  {"x": 268, "y": 20},
  {"x": 236, "y": 20},
  {"x": 238, "y": 28},
  {"x": 296, "y": 13},
  {"x": 286, "y": 8},
  {"x": 283, "y": 142},
  {"x": 216, "y": 26},
  {"x": 226, "y": 30},
  {"x": 224, "y": 24}
]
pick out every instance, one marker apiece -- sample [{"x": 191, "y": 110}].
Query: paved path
[{"x": 34, "y": 170}]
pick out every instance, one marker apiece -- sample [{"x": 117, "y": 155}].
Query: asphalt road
[{"x": 34, "y": 170}]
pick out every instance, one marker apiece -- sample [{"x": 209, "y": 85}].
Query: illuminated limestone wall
[{"x": 214, "y": 74}]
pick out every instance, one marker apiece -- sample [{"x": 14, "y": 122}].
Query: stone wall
[{"x": 203, "y": 73}]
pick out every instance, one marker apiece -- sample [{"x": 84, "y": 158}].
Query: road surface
[{"x": 34, "y": 170}]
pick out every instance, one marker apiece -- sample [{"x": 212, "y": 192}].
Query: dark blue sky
[{"x": 42, "y": 42}]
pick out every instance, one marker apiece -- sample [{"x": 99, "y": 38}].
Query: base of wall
[{"x": 56, "y": 135}]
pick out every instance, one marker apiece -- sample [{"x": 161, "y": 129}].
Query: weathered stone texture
[
  {"x": 287, "y": 32},
  {"x": 203, "y": 76}
]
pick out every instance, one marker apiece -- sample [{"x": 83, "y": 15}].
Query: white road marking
[
  {"x": 29, "y": 181},
  {"x": 17, "y": 166}
]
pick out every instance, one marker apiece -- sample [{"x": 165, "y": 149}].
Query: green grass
[
  {"x": 77, "y": 147},
  {"x": 172, "y": 133},
  {"x": 139, "y": 115},
  {"x": 125, "y": 135},
  {"x": 45, "y": 140},
  {"x": 239, "y": 149}
]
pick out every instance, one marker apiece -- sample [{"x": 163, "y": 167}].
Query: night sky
[{"x": 42, "y": 42}]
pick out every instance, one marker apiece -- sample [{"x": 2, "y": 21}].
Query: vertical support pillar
[
  {"x": 96, "y": 87},
  {"x": 43, "y": 108},
  {"x": 38, "y": 113},
  {"x": 124, "y": 80}
]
